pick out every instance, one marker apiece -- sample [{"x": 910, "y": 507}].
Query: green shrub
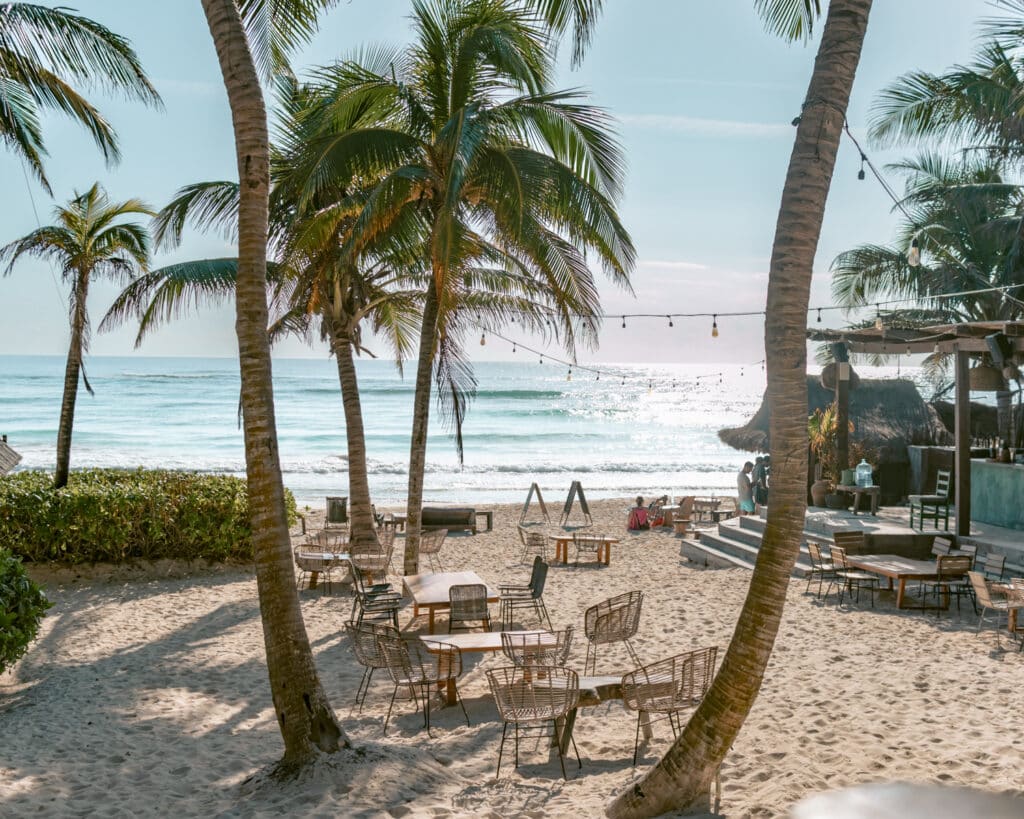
[
  {"x": 22, "y": 606},
  {"x": 109, "y": 515}
]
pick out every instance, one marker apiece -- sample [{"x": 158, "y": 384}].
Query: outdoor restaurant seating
[
  {"x": 313, "y": 563},
  {"x": 534, "y": 697},
  {"x": 614, "y": 620},
  {"x": 431, "y": 542},
  {"x": 515, "y": 597},
  {"x": 821, "y": 567},
  {"x": 537, "y": 647},
  {"x": 849, "y": 579},
  {"x": 989, "y": 601},
  {"x": 468, "y": 607},
  {"x": 367, "y": 651},
  {"x": 950, "y": 581},
  {"x": 993, "y": 566},
  {"x": 589, "y": 545},
  {"x": 369, "y": 601},
  {"x": 667, "y": 687},
  {"x": 419, "y": 665},
  {"x": 534, "y": 543},
  {"x": 931, "y": 505}
]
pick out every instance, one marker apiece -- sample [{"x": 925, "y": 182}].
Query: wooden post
[
  {"x": 842, "y": 419},
  {"x": 962, "y": 431}
]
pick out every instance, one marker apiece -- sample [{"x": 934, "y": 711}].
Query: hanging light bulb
[
  {"x": 741, "y": 372},
  {"x": 542, "y": 359},
  {"x": 623, "y": 322},
  {"x": 914, "y": 254},
  {"x": 878, "y": 317},
  {"x": 650, "y": 387},
  {"x": 513, "y": 346},
  {"x": 569, "y": 376},
  {"x": 935, "y": 349},
  {"x": 670, "y": 324},
  {"x": 714, "y": 326},
  {"x": 483, "y": 339},
  {"x": 860, "y": 173},
  {"x": 598, "y": 378},
  {"x": 908, "y": 349},
  {"x": 819, "y": 315},
  {"x": 623, "y": 381}
]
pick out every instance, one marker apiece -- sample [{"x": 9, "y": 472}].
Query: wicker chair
[
  {"x": 431, "y": 542},
  {"x": 614, "y": 620},
  {"x": 386, "y": 539},
  {"x": 951, "y": 581},
  {"x": 989, "y": 601},
  {"x": 417, "y": 663},
  {"x": 535, "y": 697},
  {"x": 847, "y": 578},
  {"x": 368, "y": 653},
  {"x": 313, "y": 563},
  {"x": 329, "y": 540},
  {"x": 667, "y": 687},
  {"x": 369, "y": 601},
  {"x": 374, "y": 562},
  {"x": 526, "y": 597},
  {"x": 588, "y": 544},
  {"x": 821, "y": 568},
  {"x": 468, "y": 605},
  {"x": 537, "y": 647},
  {"x": 534, "y": 543}
]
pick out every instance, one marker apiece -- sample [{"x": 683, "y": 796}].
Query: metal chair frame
[
  {"x": 849, "y": 579},
  {"x": 468, "y": 602},
  {"x": 983, "y": 594},
  {"x": 368, "y": 654},
  {"x": 514, "y": 597},
  {"x": 378, "y": 600},
  {"x": 821, "y": 567},
  {"x": 614, "y": 620},
  {"x": 951, "y": 579},
  {"x": 534, "y": 543},
  {"x": 545, "y": 648},
  {"x": 431, "y": 541}
]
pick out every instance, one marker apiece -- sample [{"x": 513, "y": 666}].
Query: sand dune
[{"x": 146, "y": 695}]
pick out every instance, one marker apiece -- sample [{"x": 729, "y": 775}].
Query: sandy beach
[{"x": 146, "y": 695}]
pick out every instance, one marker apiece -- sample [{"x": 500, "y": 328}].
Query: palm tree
[
  {"x": 683, "y": 777},
  {"x": 42, "y": 52},
  {"x": 90, "y": 239},
  {"x": 305, "y": 718},
  {"x": 968, "y": 222},
  {"x": 497, "y": 211}
]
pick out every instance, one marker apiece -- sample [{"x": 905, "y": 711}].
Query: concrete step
[
  {"x": 704, "y": 554},
  {"x": 742, "y": 553}
]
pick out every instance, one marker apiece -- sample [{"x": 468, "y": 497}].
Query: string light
[
  {"x": 819, "y": 315},
  {"x": 542, "y": 359},
  {"x": 878, "y": 317},
  {"x": 670, "y": 324},
  {"x": 914, "y": 254},
  {"x": 569, "y": 376},
  {"x": 714, "y": 326},
  {"x": 860, "y": 173},
  {"x": 650, "y": 387},
  {"x": 623, "y": 322},
  {"x": 483, "y": 339},
  {"x": 513, "y": 347}
]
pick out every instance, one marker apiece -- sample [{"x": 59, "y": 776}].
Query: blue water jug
[{"x": 864, "y": 473}]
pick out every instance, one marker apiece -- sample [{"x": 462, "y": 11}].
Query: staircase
[{"x": 735, "y": 543}]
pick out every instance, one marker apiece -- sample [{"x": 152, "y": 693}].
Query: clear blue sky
[{"x": 704, "y": 97}]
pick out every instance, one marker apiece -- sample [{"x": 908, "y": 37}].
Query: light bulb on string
[
  {"x": 597, "y": 377},
  {"x": 819, "y": 315},
  {"x": 623, "y": 322},
  {"x": 650, "y": 387},
  {"x": 542, "y": 359},
  {"x": 513, "y": 346},
  {"x": 670, "y": 324},
  {"x": 741, "y": 372},
  {"x": 483, "y": 339},
  {"x": 908, "y": 349},
  {"x": 860, "y": 173},
  {"x": 914, "y": 254},
  {"x": 568, "y": 377},
  {"x": 878, "y": 317},
  {"x": 714, "y": 326},
  {"x": 623, "y": 381}
]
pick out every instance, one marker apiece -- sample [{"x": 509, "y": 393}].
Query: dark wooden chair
[{"x": 931, "y": 505}]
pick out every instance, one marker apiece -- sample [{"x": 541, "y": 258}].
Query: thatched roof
[
  {"x": 887, "y": 414},
  {"x": 984, "y": 419},
  {"x": 8, "y": 458}
]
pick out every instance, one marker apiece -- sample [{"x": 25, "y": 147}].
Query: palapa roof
[
  {"x": 968, "y": 336},
  {"x": 8, "y": 458},
  {"x": 888, "y": 415}
]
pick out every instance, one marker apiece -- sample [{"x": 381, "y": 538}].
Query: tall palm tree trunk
[
  {"x": 420, "y": 422},
  {"x": 304, "y": 715},
  {"x": 72, "y": 371},
  {"x": 682, "y": 779},
  {"x": 360, "y": 512}
]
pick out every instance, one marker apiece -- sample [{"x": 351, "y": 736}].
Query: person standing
[
  {"x": 759, "y": 479},
  {"x": 745, "y": 489}
]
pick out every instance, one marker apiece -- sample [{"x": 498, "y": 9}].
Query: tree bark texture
[
  {"x": 682, "y": 779},
  {"x": 304, "y": 715},
  {"x": 72, "y": 372},
  {"x": 420, "y": 422},
  {"x": 360, "y": 512}
]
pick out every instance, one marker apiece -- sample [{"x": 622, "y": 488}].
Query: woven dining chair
[
  {"x": 588, "y": 544},
  {"x": 513, "y": 597},
  {"x": 370, "y": 601},
  {"x": 468, "y": 607},
  {"x": 537, "y": 647},
  {"x": 534, "y": 543},
  {"x": 614, "y": 620},
  {"x": 532, "y": 698},
  {"x": 668, "y": 687},
  {"x": 367, "y": 650},
  {"x": 431, "y": 541},
  {"x": 420, "y": 665},
  {"x": 310, "y": 563},
  {"x": 989, "y": 600}
]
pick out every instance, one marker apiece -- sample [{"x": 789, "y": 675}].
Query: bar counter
[{"x": 997, "y": 493}]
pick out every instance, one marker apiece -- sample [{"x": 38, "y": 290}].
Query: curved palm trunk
[
  {"x": 304, "y": 715},
  {"x": 682, "y": 779},
  {"x": 72, "y": 371},
  {"x": 360, "y": 512},
  {"x": 420, "y": 422}
]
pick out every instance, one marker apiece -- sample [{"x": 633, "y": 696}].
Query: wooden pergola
[{"x": 964, "y": 341}]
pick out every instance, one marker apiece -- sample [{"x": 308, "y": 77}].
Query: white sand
[{"x": 149, "y": 697}]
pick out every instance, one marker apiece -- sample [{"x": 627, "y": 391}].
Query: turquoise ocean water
[{"x": 638, "y": 429}]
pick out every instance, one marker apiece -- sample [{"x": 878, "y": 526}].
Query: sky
[{"x": 704, "y": 97}]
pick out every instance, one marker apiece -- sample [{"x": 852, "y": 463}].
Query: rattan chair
[
  {"x": 667, "y": 687},
  {"x": 374, "y": 562},
  {"x": 368, "y": 653},
  {"x": 370, "y": 601},
  {"x": 431, "y": 541},
  {"x": 589, "y": 545},
  {"x": 329, "y": 540},
  {"x": 535, "y": 697},
  {"x": 310, "y": 563},
  {"x": 534, "y": 543},
  {"x": 849, "y": 579},
  {"x": 950, "y": 581},
  {"x": 420, "y": 665},
  {"x": 468, "y": 607},
  {"x": 525, "y": 597},
  {"x": 614, "y": 620},
  {"x": 821, "y": 568},
  {"x": 537, "y": 647},
  {"x": 988, "y": 600}
]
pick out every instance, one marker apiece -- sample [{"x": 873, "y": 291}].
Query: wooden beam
[{"x": 962, "y": 432}]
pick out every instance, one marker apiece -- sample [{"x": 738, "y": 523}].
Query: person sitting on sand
[
  {"x": 638, "y": 516},
  {"x": 745, "y": 489}
]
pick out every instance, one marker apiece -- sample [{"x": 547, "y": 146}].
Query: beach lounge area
[{"x": 147, "y": 687}]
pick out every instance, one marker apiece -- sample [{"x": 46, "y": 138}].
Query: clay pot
[{"x": 819, "y": 489}]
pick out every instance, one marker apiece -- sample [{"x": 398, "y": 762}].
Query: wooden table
[
  {"x": 338, "y": 557},
  {"x": 430, "y": 591},
  {"x": 474, "y": 642},
  {"x": 706, "y": 506},
  {"x": 871, "y": 491},
  {"x": 1014, "y": 587},
  {"x": 604, "y": 549},
  {"x": 901, "y": 569}
]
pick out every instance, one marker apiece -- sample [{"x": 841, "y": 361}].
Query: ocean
[{"x": 636, "y": 429}]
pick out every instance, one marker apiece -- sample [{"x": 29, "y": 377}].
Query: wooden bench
[{"x": 449, "y": 517}]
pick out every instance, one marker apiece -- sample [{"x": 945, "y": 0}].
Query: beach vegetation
[
  {"x": 117, "y": 515},
  {"x": 22, "y": 607},
  {"x": 44, "y": 53},
  {"x": 682, "y": 779},
  {"x": 91, "y": 238}
]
